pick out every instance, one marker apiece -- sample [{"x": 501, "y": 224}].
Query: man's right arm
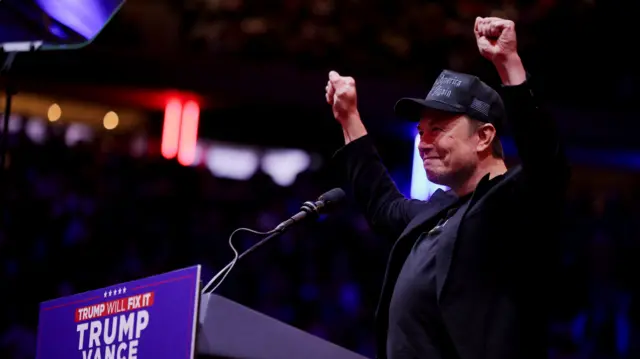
[{"x": 385, "y": 208}]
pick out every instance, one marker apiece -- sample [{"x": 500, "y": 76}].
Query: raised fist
[
  {"x": 496, "y": 38},
  {"x": 341, "y": 95}
]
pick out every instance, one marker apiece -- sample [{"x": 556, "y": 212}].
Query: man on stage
[{"x": 467, "y": 275}]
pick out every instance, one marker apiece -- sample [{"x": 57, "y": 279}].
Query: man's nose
[{"x": 424, "y": 147}]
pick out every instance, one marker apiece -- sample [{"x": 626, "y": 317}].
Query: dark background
[{"x": 81, "y": 216}]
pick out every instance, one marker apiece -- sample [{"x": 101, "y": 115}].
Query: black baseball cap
[{"x": 457, "y": 93}]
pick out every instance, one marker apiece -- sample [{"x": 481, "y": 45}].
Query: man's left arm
[
  {"x": 533, "y": 128},
  {"x": 534, "y": 131}
]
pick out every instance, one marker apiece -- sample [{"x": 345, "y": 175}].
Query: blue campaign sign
[{"x": 154, "y": 317}]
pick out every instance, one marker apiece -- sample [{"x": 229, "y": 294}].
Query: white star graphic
[
  {"x": 110, "y": 292},
  {"x": 105, "y": 293},
  {"x": 119, "y": 290},
  {"x": 124, "y": 289}
]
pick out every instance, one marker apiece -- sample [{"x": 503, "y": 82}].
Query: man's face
[{"x": 447, "y": 147}]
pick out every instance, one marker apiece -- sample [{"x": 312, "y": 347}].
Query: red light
[
  {"x": 189, "y": 133},
  {"x": 171, "y": 128}
]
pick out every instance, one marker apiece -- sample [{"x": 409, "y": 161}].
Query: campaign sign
[{"x": 153, "y": 317}]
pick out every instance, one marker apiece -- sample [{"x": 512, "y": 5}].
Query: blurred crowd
[
  {"x": 377, "y": 35},
  {"x": 415, "y": 39},
  {"x": 75, "y": 219}
]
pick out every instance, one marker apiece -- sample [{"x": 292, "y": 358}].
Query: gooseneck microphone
[
  {"x": 325, "y": 203},
  {"x": 310, "y": 209}
]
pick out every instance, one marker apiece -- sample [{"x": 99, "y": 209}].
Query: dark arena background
[{"x": 105, "y": 181}]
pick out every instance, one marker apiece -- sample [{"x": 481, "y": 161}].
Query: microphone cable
[
  {"x": 309, "y": 208},
  {"x": 237, "y": 256}
]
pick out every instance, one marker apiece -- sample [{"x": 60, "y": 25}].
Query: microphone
[
  {"x": 325, "y": 203},
  {"x": 309, "y": 209}
]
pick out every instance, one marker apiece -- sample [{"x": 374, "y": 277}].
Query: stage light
[
  {"x": 284, "y": 165},
  {"x": 188, "y": 133},
  {"x": 54, "y": 113},
  {"x": 171, "y": 128},
  {"x": 233, "y": 162},
  {"x": 110, "y": 120},
  {"x": 76, "y": 133},
  {"x": 36, "y": 130}
]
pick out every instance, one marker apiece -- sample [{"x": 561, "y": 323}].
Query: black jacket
[{"x": 493, "y": 277}]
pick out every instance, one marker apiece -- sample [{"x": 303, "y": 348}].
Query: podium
[
  {"x": 229, "y": 330},
  {"x": 165, "y": 317}
]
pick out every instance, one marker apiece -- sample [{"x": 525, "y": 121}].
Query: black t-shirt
[{"x": 416, "y": 329}]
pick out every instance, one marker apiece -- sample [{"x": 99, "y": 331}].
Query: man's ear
[{"x": 486, "y": 134}]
